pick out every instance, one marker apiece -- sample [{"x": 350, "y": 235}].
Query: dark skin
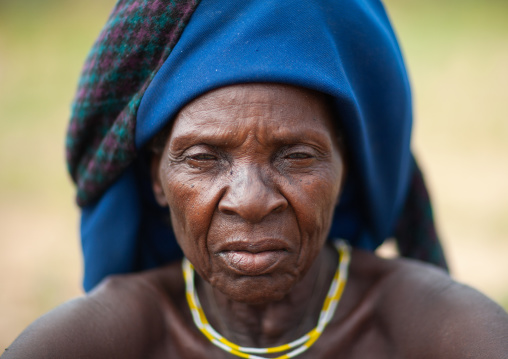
[{"x": 251, "y": 174}]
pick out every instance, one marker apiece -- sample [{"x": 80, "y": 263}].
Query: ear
[{"x": 158, "y": 192}]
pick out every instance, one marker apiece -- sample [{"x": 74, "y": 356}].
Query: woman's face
[{"x": 251, "y": 174}]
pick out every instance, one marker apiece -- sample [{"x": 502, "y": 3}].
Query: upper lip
[{"x": 254, "y": 246}]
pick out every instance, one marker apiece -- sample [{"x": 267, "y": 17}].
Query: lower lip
[{"x": 247, "y": 263}]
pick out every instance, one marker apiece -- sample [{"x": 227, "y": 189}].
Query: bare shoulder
[
  {"x": 431, "y": 315},
  {"x": 124, "y": 317}
]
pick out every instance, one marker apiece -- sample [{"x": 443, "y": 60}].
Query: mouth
[{"x": 258, "y": 258}]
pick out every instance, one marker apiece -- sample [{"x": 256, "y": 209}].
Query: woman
[{"x": 266, "y": 129}]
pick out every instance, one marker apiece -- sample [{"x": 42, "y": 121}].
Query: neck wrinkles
[{"x": 276, "y": 323}]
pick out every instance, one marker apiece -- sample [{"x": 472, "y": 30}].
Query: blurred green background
[{"x": 457, "y": 56}]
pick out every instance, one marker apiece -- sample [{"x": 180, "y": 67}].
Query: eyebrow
[{"x": 217, "y": 138}]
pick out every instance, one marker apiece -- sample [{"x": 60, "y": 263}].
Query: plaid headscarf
[
  {"x": 135, "y": 42},
  {"x": 101, "y": 143}
]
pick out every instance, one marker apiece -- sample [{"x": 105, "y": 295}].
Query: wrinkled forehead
[
  {"x": 277, "y": 110},
  {"x": 296, "y": 105},
  {"x": 258, "y": 92},
  {"x": 284, "y": 113}
]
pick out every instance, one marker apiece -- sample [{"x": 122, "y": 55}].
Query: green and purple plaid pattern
[{"x": 135, "y": 42}]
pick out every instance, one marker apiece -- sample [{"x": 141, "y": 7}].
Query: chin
[{"x": 256, "y": 290}]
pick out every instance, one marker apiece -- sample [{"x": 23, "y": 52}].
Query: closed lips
[
  {"x": 252, "y": 263},
  {"x": 253, "y": 246}
]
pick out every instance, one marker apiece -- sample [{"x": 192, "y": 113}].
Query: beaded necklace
[{"x": 299, "y": 345}]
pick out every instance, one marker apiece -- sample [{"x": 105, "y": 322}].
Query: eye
[
  {"x": 201, "y": 160},
  {"x": 202, "y": 157},
  {"x": 298, "y": 156}
]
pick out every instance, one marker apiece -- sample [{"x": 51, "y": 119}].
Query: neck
[{"x": 274, "y": 323}]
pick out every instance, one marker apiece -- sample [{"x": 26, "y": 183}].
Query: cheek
[
  {"x": 315, "y": 199},
  {"x": 191, "y": 204}
]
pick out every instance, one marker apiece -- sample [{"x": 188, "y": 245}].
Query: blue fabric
[
  {"x": 108, "y": 235},
  {"x": 346, "y": 49}
]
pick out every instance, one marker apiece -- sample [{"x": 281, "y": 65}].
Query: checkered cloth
[{"x": 135, "y": 42}]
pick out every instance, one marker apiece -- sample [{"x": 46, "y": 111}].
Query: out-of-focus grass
[
  {"x": 456, "y": 51},
  {"x": 42, "y": 47}
]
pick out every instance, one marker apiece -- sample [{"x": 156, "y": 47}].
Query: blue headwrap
[{"x": 345, "y": 49}]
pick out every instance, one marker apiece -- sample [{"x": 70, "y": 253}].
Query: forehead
[{"x": 273, "y": 109}]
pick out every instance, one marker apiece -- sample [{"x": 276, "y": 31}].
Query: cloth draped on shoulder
[{"x": 155, "y": 56}]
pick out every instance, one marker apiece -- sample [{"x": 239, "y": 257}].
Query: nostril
[
  {"x": 278, "y": 209},
  {"x": 228, "y": 212}
]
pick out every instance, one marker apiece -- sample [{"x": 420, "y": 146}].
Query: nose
[{"x": 251, "y": 195}]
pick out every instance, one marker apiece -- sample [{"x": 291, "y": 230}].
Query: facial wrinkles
[
  {"x": 268, "y": 193},
  {"x": 194, "y": 193},
  {"x": 231, "y": 127},
  {"x": 251, "y": 182},
  {"x": 241, "y": 136},
  {"x": 239, "y": 108}
]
